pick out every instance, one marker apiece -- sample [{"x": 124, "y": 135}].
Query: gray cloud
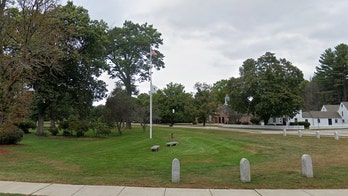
[{"x": 207, "y": 40}]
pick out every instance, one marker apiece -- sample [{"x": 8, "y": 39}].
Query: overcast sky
[{"x": 208, "y": 40}]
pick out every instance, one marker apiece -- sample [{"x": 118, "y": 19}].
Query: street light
[
  {"x": 250, "y": 98},
  {"x": 173, "y": 111}
]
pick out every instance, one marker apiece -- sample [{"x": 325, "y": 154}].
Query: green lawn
[{"x": 209, "y": 159}]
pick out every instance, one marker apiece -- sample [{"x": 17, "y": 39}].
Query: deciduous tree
[
  {"x": 273, "y": 84},
  {"x": 174, "y": 104},
  {"x": 116, "y": 108},
  {"x": 204, "y": 101},
  {"x": 129, "y": 53},
  {"x": 27, "y": 45}
]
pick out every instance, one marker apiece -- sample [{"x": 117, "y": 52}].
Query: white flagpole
[{"x": 150, "y": 93}]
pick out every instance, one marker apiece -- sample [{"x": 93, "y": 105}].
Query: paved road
[
  {"x": 306, "y": 132},
  {"x": 84, "y": 190}
]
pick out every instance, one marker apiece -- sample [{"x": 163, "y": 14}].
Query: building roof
[
  {"x": 345, "y": 104},
  {"x": 331, "y": 108},
  {"x": 320, "y": 114}
]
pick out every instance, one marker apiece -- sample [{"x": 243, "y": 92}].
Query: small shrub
[
  {"x": 25, "y": 126},
  {"x": 11, "y": 135},
  {"x": 80, "y": 127},
  {"x": 100, "y": 128},
  {"x": 66, "y": 133},
  {"x": 255, "y": 120},
  {"x": 63, "y": 125},
  {"x": 305, "y": 124},
  {"x": 54, "y": 131}
]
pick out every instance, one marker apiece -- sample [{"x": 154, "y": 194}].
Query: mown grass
[{"x": 209, "y": 159}]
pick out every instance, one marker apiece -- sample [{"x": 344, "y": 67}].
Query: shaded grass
[{"x": 209, "y": 159}]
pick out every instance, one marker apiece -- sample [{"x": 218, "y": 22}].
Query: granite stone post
[
  {"x": 175, "y": 170},
  {"x": 245, "y": 170},
  {"x": 307, "y": 167},
  {"x": 284, "y": 132},
  {"x": 299, "y": 133},
  {"x": 317, "y": 134},
  {"x": 337, "y": 137}
]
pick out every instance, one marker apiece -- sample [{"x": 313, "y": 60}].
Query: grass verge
[{"x": 209, "y": 159}]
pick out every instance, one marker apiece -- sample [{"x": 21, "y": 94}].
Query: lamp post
[
  {"x": 173, "y": 111},
  {"x": 250, "y": 99}
]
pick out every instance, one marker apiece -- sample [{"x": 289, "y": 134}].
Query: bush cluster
[
  {"x": 11, "y": 135},
  {"x": 100, "y": 129},
  {"x": 305, "y": 124},
  {"x": 79, "y": 127},
  {"x": 25, "y": 126},
  {"x": 255, "y": 120}
]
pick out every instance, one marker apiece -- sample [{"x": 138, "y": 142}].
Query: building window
[
  {"x": 336, "y": 121},
  {"x": 318, "y": 120},
  {"x": 296, "y": 120},
  {"x": 342, "y": 113}
]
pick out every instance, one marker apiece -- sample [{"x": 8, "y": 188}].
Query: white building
[{"x": 330, "y": 116}]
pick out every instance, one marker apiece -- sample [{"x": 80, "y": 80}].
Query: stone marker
[
  {"x": 317, "y": 134},
  {"x": 307, "y": 167},
  {"x": 176, "y": 171},
  {"x": 284, "y": 132},
  {"x": 245, "y": 170},
  {"x": 299, "y": 133},
  {"x": 337, "y": 137}
]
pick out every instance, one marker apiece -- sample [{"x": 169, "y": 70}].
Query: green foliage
[
  {"x": 26, "y": 125},
  {"x": 173, "y": 98},
  {"x": 53, "y": 130},
  {"x": 129, "y": 51},
  {"x": 331, "y": 75},
  {"x": 80, "y": 127},
  {"x": 100, "y": 128},
  {"x": 255, "y": 120},
  {"x": 117, "y": 108},
  {"x": 72, "y": 86},
  {"x": 64, "y": 125},
  {"x": 71, "y": 126},
  {"x": 304, "y": 123},
  {"x": 204, "y": 101},
  {"x": 141, "y": 112},
  {"x": 273, "y": 84},
  {"x": 10, "y": 135}
]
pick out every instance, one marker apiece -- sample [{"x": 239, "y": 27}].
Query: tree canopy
[
  {"x": 75, "y": 86},
  {"x": 173, "y": 104},
  {"x": 129, "y": 53},
  {"x": 51, "y": 53},
  {"x": 273, "y": 85},
  {"x": 331, "y": 74}
]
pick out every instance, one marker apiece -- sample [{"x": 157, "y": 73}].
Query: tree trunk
[
  {"x": 143, "y": 125},
  {"x": 118, "y": 125},
  {"x": 41, "y": 120},
  {"x": 1, "y": 118}
]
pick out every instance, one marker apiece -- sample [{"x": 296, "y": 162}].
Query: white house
[
  {"x": 330, "y": 116},
  {"x": 343, "y": 112}
]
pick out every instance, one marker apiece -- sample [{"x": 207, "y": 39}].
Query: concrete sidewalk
[{"x": 26, "y": 188}]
